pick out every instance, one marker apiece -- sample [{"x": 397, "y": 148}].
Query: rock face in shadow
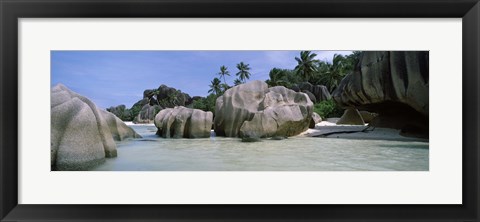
[
  {"x": 392, "y": 84},
  {"x": 81, "y": 134},
  {"x": 367, "y": 116},
  {"x": 254, "y": 110},
  {"x": 154, "y": 100},
  {"x": 181, "y": 122},
  {"x": 315, "y": 119},
  {"x": 170, "y": 97},
  {"x": 319, "y": 92}
]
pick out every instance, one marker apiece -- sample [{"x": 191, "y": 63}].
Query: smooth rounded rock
[
  {"x": 315, "y": 119},
  {"x": 385, "y": 76},
  {"x": 253, "y": 110},
  {"x": 81, "y": 134},
  {"x": 182, "y": 122},
  {"x": 393, "y": 84}
]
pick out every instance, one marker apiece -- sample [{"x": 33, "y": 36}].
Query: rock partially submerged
[
  {"x": 81, "y": 134},
  {"x": 253, "y": 110},
  {"x": 248, "y": 139},
  {"x": 181, "y": 122}
]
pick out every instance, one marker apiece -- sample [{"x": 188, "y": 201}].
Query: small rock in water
[
  {"x": 251, "y": 139},
  {"x": 279, "y": 137}
]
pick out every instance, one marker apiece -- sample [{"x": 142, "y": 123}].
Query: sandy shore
[
  {"x": 375, "y": 134},
  {"x": 139, "y": 124},
  {"x": 330, "y": 126}
]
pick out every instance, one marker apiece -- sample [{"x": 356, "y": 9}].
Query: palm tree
[
  {"x": 237, "y": 82},
  {"x": 306, "y": 64},
  {"x": 224, "y": 86},
  {"x": 243, "y": 73},
  {"x": 277, "y": 77},
  {"x": 352, "y": 60},
  {"x": 215, "y": 86},
  {"x": 332, "y": 73},
  {"x": 224, "y": 72}
]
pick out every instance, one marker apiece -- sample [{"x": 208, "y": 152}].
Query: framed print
[{"x": 226, "y": 110}]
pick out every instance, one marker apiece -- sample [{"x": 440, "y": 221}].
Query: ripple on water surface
[{"x": 152, "y": 153}]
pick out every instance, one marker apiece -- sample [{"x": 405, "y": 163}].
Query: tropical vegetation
[
  {"x": 308, "y": 69},
  {"x": 307, "y": 65},
  {"x": 243, "y": 73},
  {"x": 215, "y": 86},
  {"x": 327, "y": 109}
]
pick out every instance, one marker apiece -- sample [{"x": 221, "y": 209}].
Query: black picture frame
[{"x": 11, "y": 11}]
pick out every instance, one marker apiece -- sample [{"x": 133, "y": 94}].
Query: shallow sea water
[{"x": 153, "y": 153}]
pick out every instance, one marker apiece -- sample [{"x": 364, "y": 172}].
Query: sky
[{"x": 111, "y": 78}]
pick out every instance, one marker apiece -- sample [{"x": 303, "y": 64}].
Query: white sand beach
[
  {"x": 330, "y": 126},
  {"x": 129, "y": 123},
  {"x": 377, "y": 133}
]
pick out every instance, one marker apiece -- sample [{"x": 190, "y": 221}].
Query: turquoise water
[{"x": 152, "y": 153}]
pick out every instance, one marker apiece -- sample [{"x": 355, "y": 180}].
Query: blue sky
[{"x": 111, "y": 78}]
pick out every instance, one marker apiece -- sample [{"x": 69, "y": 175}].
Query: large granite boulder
[
  {"x": 81, "y": 134},
  {"x": 144, "y": 110},
  {"x": 170, "y": 97},
  {"x": 147, "y": 114},
  {"x": 181, "y": 122},
  {"x": 119, "y": 130},
  {"x": 310, "y": 96},
  {"x": 148, "y": 93},
  {"x": 254, "y": 110},
  {"x": 392, "y": 84},
  {"x": 320, "y": 92}
]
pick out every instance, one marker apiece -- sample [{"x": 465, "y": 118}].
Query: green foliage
[
  {"x": 135, "y": 110},
  {"x": 243, "y": 73},
  {"x": 200, "y": 104},
  {"x": 206, "y": 104},
  {"x": 171, "y": 100},
  {"x": 121, "y": 112},
  {"x": 328, "y": 109},
  {"x": 331, "y": 74},
  {"x": 282, "y": 77},
  {"x": 237, "y": 82},
  {"x": 224, "y": 72},
  {"x": 316, "y": 72},
  {"x": 224, "y": 87},
  {"x": 215, "y": 86},
  {"x": 307, "y": 65},
  {"x": 277, "y": 78}
]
